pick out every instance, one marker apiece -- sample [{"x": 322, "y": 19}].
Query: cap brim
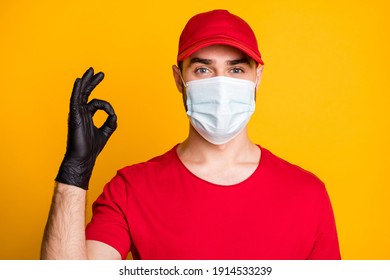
[{"x": 219, "y": 41}]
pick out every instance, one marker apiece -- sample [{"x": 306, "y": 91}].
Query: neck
[
  {"x": 196, "y": 149},
  {"x": 226, "y": 164}
]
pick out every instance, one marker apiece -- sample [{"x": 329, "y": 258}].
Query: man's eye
[
  {"x": 237, "y": 70},
  {"x": 202, "y": 70}
]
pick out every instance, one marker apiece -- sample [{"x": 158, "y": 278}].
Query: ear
[
  {"x": 259, "y": 75},
  {"x": 177, "y": 77}
]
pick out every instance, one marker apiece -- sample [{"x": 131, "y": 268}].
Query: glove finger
[
  {"x": 85, "y": 81},
  {"x": 96, "y": 79},
  {"x": 98, "y": 104},
  {"x": 74, "y": 98},
  {"x": 110, "y": 124}
]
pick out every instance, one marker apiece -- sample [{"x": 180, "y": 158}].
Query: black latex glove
[{"x": 85, "y": 140}]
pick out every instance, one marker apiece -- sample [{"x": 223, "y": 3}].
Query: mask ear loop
[
  {"x": 257, "y": 82},
  {"x": 181, "y": 77}
]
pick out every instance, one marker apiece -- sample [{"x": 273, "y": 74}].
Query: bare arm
[{"x": 64, "y": 236}]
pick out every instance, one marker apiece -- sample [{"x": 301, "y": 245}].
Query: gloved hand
[{"x": 85, "y": 140}]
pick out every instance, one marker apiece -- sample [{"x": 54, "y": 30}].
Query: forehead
[{"x": 219, "y": 54}]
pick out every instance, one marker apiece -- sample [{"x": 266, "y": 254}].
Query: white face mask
[{"x": 219, "y": 108}]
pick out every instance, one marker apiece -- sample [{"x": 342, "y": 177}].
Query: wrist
[{"x": 75, "y": 174}]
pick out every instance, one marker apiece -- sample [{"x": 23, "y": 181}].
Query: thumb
[{"x": 110, "y": 124}]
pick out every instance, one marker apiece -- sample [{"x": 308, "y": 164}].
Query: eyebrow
[
  {"x": 206, "y": 61},
  {"x": 200, "y": 60},
  {"x": 243, "y": 60}
]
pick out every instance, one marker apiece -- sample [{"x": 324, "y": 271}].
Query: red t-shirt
[{"x": 160, "y": 210}]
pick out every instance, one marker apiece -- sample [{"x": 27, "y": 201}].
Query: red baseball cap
[{"x": 214, "y": 28}]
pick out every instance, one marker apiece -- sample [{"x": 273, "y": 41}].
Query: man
[{"x": 216, "y": 195}]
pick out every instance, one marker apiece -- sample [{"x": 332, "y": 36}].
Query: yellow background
[{"x": 323, "y": 101}]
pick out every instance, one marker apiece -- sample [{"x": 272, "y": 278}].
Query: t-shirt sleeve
[
  {"x": 326, "y": 246},
  {"x": 109, "y": 224}
]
